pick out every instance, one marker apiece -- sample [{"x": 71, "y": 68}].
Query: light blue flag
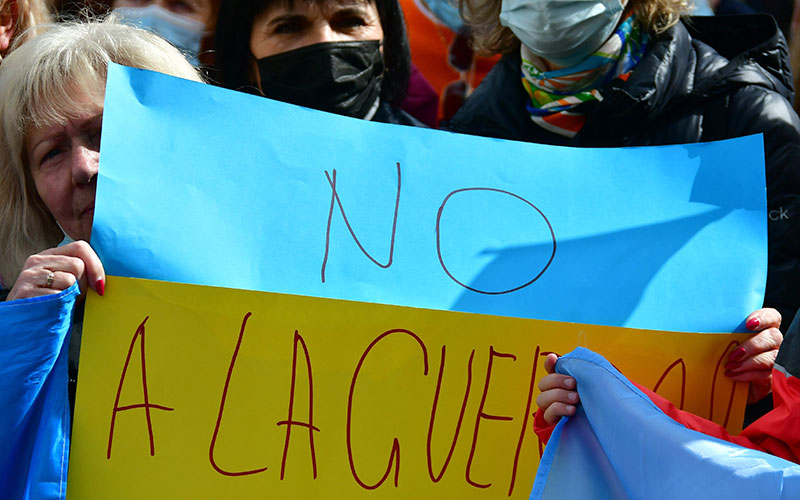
[
  {"x": 620, "y": 445},
  {"x": 207, "y": 186},
  {"x": 34, "y": 412}
]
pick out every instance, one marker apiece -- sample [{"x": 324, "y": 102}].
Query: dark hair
[{"x": 235, "y": 26}]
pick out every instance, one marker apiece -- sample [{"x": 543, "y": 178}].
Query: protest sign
[
  {"x": 200, "y": 392},
  {"x": 203, "y": 185},
  {"x": 368, "y": 248}
]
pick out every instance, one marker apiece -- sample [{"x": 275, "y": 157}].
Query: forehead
[{"x": 270, "y": 6}]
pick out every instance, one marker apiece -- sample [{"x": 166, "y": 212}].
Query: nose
[
  {"x": 323, "y": 32},
  {"x": 84, "y": 164}
]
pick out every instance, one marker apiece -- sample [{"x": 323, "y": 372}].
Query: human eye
[
  {"x": 180, "y": 7},
  {"x": 94, "y": 139},
  {"x": 289, "y": 25},
  {"x": 50, "y": 156},
  {"x": 349, "y": 21}
]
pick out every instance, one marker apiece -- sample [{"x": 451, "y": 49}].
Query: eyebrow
[
  {"x": 60, "y": 132},
  {"x": 284, "y": 17}
]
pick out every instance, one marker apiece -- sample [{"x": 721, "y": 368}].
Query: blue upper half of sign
[{"x": 207, "y": 186}]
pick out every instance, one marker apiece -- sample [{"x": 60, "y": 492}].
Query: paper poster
[
  {"x": 203, "y": 185},
  {"x": 199, "y": 392}
]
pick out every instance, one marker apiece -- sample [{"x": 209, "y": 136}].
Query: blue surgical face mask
[
  {"x": 564, "y": 32},
  {"x": 180, "y": 31}
]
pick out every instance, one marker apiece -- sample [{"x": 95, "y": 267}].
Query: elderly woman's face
[
  {"x": 282, "y": 28},
  {"x": 63, "y": 162}
]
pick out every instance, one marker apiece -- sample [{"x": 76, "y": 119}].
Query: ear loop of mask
[{"x": 254, "y": 68}]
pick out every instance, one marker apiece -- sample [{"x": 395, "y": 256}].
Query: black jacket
[
  {"x": 684, "y": 91},
  {"x": 389, "y": 114}
]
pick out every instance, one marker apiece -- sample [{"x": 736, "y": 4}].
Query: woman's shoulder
[
  {"x": 497, "y": 106},
  {"x": 747, "y": 51}
]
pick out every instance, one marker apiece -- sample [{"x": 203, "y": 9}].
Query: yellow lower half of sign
[{"x": 196, "y": 392}]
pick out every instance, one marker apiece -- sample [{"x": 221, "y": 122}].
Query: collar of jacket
[
  {"x": 690, "y": 63},
  {"x": 664, "y": 74}
]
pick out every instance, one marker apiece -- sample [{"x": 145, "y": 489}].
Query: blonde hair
[
  {"x": 490, "y": 37},
  {"x": 45, "y": 81}
]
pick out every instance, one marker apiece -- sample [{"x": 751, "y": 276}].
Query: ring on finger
[{"x": 50, "y": 277}]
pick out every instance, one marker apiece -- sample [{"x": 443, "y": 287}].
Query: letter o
[{"x": 490, "y": 292}]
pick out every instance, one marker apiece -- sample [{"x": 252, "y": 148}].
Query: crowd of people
[{"x": 586, "y": 73}]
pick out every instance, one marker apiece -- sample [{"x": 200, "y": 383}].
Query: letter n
[
  {"x": 146, "y": 404},
  {"x": 335, "y": 200}
]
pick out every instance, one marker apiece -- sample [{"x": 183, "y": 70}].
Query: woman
[
  {"x": 777, "y": 432},
  {"x": 51, "y": 104},
  {"x": 49, "y": 146},
  {"x": 186, "y": 24},
  {"x": 348, "y": 57},
  {"x": 630, "y": 73}
]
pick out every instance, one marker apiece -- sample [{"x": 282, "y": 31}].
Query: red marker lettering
[
  {"x": 139, "y": 334},
  {"x": 484, "y": 415},
  {"x": 394, "y": 456},
  {"x": 289, "y": 422}
]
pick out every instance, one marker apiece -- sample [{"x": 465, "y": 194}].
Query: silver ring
[{"x": 50, "y": 277}]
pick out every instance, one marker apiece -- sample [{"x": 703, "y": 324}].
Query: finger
[
  {"x": 45, "y": 263},
  {"x": 557, "y": 410},
  {"x": 27, "y": 290},
  {"x": 759, "y": 362},
  {"x": 62, "y": 280},
  {"x": 95, "y": 274},
  {"x": 556, "y": 381},
  {"x": 753, "y": 376},
  {"x": 763, "y": 341},
  {"x": 55, "y": 262},
  {"x": 547, "y": 398},
  {"x": 763, "y": 318},
  {"x": 757, "y": 367},
  {"x": 550, "y": 362}
]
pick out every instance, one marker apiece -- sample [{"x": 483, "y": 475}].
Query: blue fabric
[
  {"x": 34, "y": 412},
  {"x": 620, "y": 445}
]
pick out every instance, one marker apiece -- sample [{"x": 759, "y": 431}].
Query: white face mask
[
  {"x": 564, "y": 32},
  {"x": 182, "y": 32}
]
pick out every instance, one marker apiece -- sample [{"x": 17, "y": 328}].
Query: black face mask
[{"x": 338, "y": 77}]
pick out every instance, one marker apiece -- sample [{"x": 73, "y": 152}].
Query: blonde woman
[{"x": 51, "y": 105}]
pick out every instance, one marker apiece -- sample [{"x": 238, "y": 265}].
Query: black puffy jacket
[{"x": 684, "y": 91}]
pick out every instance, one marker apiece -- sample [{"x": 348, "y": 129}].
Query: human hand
[
  {"x": 56, "y": 269},
  {"x": 753, "y": 360},
  {"x": 559, "y": 395}
]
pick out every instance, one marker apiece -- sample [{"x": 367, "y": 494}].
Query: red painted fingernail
[
  {"x": 100, "y": 287},
  {"x": 738, "y": 354},
  {"x": 729, "y": 374},
  {"x": 733, "y": 366},
  {"x": 753, "y": 323}
]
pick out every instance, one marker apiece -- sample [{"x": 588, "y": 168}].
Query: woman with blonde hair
[
  {"x": 16, "y": 17},
  {"x": 51, "y": 105}
]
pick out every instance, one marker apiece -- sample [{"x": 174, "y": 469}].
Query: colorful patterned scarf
[{"x": 555, "y": 94}]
